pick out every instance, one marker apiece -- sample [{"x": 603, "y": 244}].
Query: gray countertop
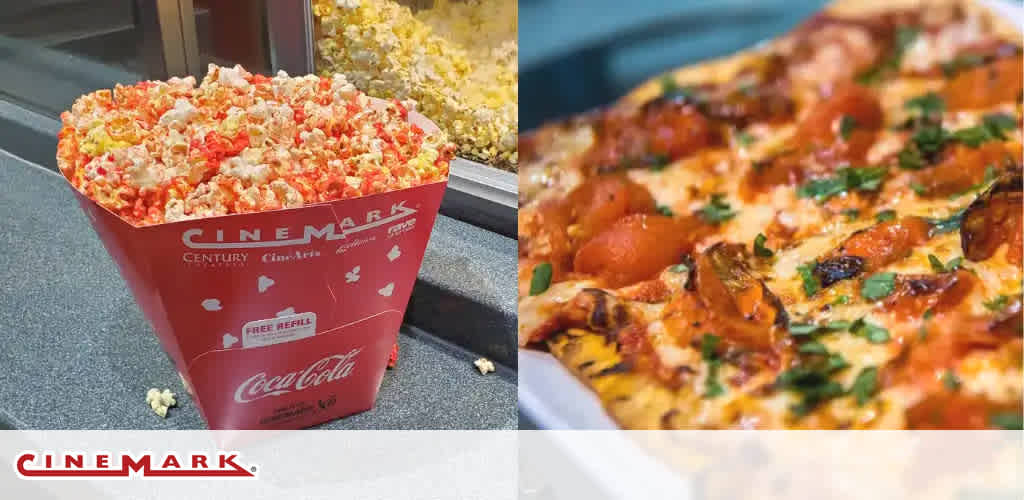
[{"x": 76, "y": 352}]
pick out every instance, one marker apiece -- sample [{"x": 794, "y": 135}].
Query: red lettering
[
  {"x": 102, "y": 461},
  {"x": 49, "y": 461},
  {"x": 131, "y": 464},
  {"x": 198, "y": 462},
  {"x": 73, "y": 460},
  {"x": 171, "y": 462},
  {"x": 228, "y": 460}
]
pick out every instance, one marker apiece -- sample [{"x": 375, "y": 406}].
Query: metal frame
[
  {"x": 290, "y": 36},
  {"x": 177, "y": 52}
]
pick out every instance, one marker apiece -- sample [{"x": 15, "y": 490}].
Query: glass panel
[
  {"x": 457, "y": 59},
  {"x": 52, "y": 51},
  {"x": 232, "y": 32}
]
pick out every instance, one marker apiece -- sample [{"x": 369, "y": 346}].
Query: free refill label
[{"x": 278, "y": 330}]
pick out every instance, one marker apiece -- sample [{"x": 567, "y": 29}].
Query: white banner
[
  {"x": 766, "y": 465},
  {"x": 428, "y": 465}
]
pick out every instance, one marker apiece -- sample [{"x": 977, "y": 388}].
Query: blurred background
[{"x": 578, "y": 54}]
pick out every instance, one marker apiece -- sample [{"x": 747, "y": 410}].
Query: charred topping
[
  {"x": 836, "y": 269},
  {"x": 989, "y": 216}
]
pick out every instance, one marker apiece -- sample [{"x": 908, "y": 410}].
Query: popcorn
[
  {"x": 457, "y": 60},
  {"x": 484, "y": 365},
  {"x": 159, "y": 152},
  {"x": 160, "y": 401}
]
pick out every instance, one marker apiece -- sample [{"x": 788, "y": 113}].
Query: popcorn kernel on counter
[
  {"x": 458, "y": 60},
  {"x": 160, "y": 152}
]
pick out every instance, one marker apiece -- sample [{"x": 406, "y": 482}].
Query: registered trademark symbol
[{"x": 252, "y": 469}]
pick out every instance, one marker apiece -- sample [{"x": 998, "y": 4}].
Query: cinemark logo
[{"x": 145, "y": 465}]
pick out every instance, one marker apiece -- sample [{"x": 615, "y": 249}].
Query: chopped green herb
[
  {"x": 541, "y": 279},
  {"x": 846, "y": 125},
  {"x": 839, "y": 325},
  {"x": 709, "y": 346},
  {"x": 910, "y": 159},
  {"x": 950, "y": 380},
  {"x": 851, "y": 214},
  {"x": 999, "y": 123},
  {"x": 992, "y": 128},
  {"x": 960, "y": 63},
  {"x": 813, "y": 347},
  {"x": 811, "y": 379},
  {"x": 759, "y": 249},
  {"x": 878, "y": 286},
  {"x": 847, "y": 178},
  {"x": 928, "y": 314},
  {"x": 873, "y": 333},
  {"x": 950, "y": 266},
  {"x": 973, "y": 136},
  {"x": 929, "y": 105},
  {"x": 810, "y": 281},
  {"x": 930, "y": 139},
  {"x": 799, "y": 329},
  {"x": 885, "y": 215},
  {"x": 865, "y": 385},
  {"x": 918, "y": 188},
  {"x": 708, "y": 351},
  {"x": 665, "y": 210},
  {"x": 657, "y": 163},
  {"x": 951, "y": 223},
  {"x": 717, "y": 210},
  {"x": 744, "y": 138},
  {"x": 679, "y": 268},
  {"x": 1007, "y": 420},
  {"x": 670, "y": 89},
  {"x": 841, "y": 300},
  {"x": 997, "y": 304}
]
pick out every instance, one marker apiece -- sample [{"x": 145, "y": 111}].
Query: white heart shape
[
  {"x": 211, "y": 305},
  {"x": 394, "y": 253},
  {"x": 387, "y": 290},
  {"x": 287, "y": 312},
  {"x": 229, "y": 340},
  {"x": 264, "y": 283},
  {"x": 352, "y": 276}
]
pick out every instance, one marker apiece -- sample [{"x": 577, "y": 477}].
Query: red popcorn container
[{"x": 280, "y": 319}]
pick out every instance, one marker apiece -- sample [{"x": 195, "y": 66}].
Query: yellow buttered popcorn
[{"x": 457, "y": 60}]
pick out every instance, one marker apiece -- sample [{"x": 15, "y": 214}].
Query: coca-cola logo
[{"x": 325, "y": 371}]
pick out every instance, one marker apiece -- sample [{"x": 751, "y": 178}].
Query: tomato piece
[
  {"x": 637, "y": 247},
  {"x": 915, "y": 294},
  {"x": 985, "y": 86},
  {"x": 726, "y": 284},
  {"x": 886, "y": 242},
  {"x": 944, "y": 340},
  {"x": 744, "y": 308},
  {"x": 675, "y": 130},
  {"x": 820, "y": 128},
  {"x": 784, "y": 170},
  {"x": 994, "y": 219},
  {"x": 955, "y": 410},
  {"x": 604, "y": 199},
  {"x": 963, "y": 167}
]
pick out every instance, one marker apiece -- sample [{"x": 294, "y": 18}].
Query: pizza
[{"x": 824, "y": 231}]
